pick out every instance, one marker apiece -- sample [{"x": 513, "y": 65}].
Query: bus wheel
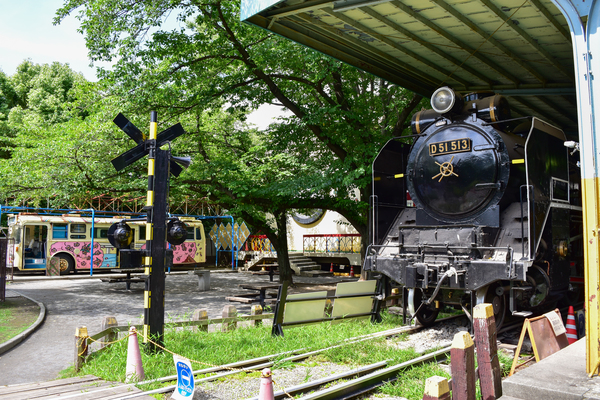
[{"x": 66, "y": 264}]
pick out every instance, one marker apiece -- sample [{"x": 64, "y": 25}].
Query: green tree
[
  {"x": 42, "y": 94},
  {"x": 207, "y": 57},
  {"x": 8, "y": 100},
  {"x": 58, "y": 138}
]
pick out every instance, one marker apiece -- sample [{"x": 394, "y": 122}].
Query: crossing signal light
[
  {"x": 176, "y": 232},
  {"x": 120, "y": 235}
]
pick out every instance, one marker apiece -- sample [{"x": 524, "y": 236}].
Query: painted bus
[{"x": 38, "y": 237}]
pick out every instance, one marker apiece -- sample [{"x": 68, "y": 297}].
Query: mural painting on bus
[
  {"x": 183, "y": 253},
  {"x": 80, "y": 252}
]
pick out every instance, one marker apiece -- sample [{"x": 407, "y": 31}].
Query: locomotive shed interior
[
  {"x": 525, "y": 51},
  {"x": 519, "y": 49}
]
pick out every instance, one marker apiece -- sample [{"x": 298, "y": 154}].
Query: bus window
[
  {"x": 59, "y": 231},
  {"x": 15, "y": 232},
  {"x": 100, "y": 233},
  {"x": 198, "y": 233},
  {"x": 77, "y": 231},
  {"x": 190, "y": 234},
  {"x": 142, "y": 235}
]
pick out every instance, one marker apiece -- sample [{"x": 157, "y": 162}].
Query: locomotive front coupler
[{"x": 448, "y": 274}]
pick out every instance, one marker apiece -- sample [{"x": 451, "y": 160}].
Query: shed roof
[{"x": 519, "y": 48}]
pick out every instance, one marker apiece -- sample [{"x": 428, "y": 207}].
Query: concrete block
[
  {"x": 561, "y": 376},
  {"x": 203, "y": 279}
]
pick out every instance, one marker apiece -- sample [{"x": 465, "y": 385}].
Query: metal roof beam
[
  {"x": 298, "y": 8},
  {"x": 571, "y": 99},
  {"x": 520, "y": 31},
  {"x": 427, "y": 45},
  {"x": 560, "y": 111},
  {"x": 541, "y": 113},
  {"x": 384, "y": 58},
  {"x": 425, "y": 21},
  {"x": 377, "y": 36},
  {"x": 543, "y": 91},
  {"x": 516, "y": 59},
  {"x": 541, "y": 8},
  {"x": 345, "y": 5},
  {"x": 325, "y": 45}
]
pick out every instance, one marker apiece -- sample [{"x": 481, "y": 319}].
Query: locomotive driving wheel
[
  {"x": 425, "y": 313},
  {"x": 494, "y": 295}
]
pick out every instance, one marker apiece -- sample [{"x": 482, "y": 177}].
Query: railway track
[
  {"x": 360, "y": 385},
  {"x": 356, "y": 381},
  {"x": 352, "y": 384}
]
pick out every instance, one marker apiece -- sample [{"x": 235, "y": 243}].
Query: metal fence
[
  {"x": 334, "y": 243},
  {"x": 258, "y": 243}
]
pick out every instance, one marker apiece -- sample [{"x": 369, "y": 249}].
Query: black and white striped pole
[{"x": 160, "y": 164}]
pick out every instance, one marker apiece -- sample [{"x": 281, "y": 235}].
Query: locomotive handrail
[
  {"x": 373, "y": 199},
  {"x": 504, "y": 120},
  {"x": 530, "y": 214}
]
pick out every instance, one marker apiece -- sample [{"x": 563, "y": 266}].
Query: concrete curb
[
  {"x": 4, "y": 347},
  {"x": 23, "y": 278}
]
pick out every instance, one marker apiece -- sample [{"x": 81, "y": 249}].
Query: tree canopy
[{"x": 196, "y": 63}]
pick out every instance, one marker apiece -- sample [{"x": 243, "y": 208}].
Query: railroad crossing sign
[
  {"x": 159, "y": 164},
  {"x": 142, "y": 148}
]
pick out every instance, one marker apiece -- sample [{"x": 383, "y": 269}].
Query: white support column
[{"x": 586, "y": 53}]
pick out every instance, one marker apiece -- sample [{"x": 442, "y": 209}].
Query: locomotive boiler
[{"x": 496, "y": 213}]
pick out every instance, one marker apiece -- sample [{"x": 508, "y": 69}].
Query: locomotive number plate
[{"x": 449, "y": 147}]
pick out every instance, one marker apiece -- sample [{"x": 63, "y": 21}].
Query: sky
[{"x": 27, "y": 32}]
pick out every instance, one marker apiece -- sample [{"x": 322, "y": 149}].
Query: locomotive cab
[{"x": 492, "y": 208}]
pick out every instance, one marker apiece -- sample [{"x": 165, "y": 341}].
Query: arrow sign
[{"x": 139, "y": 151}]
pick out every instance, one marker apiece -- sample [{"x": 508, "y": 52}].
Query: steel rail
[
  {"x": 371, "y": 381},
  {"x": 319, "y": 382},
  {"x": 257, "y": 363}
]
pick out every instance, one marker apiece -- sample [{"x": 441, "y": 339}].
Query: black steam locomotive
[{"x": 496, "y": 215}]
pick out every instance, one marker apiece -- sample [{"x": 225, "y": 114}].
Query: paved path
[{"x": 73, "y": 303}]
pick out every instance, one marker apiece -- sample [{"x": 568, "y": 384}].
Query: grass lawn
[
  {"x": 16, "y": 315},
  {"x": 207, "y": 349}
]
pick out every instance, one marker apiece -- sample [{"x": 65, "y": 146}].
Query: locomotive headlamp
[
  {"x": 120, "y": 235},
  {"x": 176, "y": 232},
  {"x": 445, "y": 100}
]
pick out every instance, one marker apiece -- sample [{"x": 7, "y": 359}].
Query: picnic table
[
  {"x": 270, "y": 270},
  {"x": 260, "y": 297},
  {"x": 128, "y": 279}
]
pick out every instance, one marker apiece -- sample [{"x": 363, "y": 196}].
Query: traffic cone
[
  {"x": 331, "y": 268},
  {"x": 571, "y": 327},
  {"x": 135, "y": 370},
  {"x": 351, "y": 271},
  {"x": 266, "y": 386}
]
